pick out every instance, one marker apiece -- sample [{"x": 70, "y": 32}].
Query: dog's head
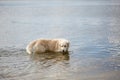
[{"x": 63, "y": 45}]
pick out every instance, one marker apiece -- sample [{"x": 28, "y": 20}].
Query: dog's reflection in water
[{"x": 50, "y": 58}]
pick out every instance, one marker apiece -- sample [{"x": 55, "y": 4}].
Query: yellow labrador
[{"x": 44, "y": 45}]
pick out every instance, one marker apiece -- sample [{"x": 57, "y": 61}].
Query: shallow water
[{"x": 93, "y": 28}]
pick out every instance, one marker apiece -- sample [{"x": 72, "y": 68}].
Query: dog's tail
[{"x": 29, "y": 48}]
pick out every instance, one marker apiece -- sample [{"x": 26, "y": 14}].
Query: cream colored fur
[{"x": 44, "y": 45}]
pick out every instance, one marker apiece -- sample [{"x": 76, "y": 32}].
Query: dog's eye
[
  {"x": 61, "y": 45},
  {"x": 65, "y": 46}
]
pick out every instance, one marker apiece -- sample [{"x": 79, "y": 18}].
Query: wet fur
[{"x": 45, "y": 45}]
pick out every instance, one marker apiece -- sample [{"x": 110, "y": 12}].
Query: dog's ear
[
  {"x": 56, "y": 45},
  {"x": 68, "y": 43}
]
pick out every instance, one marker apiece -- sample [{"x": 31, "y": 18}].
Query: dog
[{"x": 45, "y": 45}]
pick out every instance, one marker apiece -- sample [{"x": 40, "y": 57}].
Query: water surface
[{"x": 93, "y": 28}]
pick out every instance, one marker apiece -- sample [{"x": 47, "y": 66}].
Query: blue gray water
[{"x": 92, "y": 26}]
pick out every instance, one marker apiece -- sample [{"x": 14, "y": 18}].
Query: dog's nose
[{"x": 63, "y": 50}]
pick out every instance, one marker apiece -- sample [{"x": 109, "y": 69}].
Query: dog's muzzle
[{"x": 64, "y": 51}]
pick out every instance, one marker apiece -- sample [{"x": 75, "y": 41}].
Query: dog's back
[{"x": 39, "y": 45}]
